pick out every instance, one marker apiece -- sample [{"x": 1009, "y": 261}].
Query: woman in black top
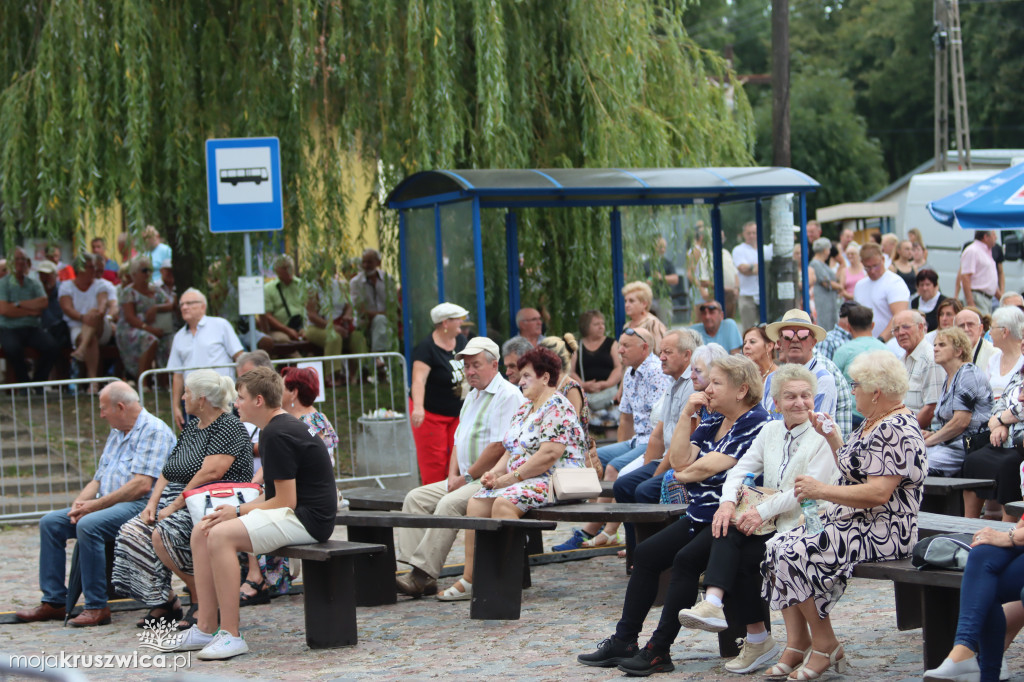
[
  {"x": 600, "y": 366},
  {"x": 437, "y": 381},
  {"x": 214, "y": 446}
]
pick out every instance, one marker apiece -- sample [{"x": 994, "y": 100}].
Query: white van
[{"x": 945, "y": 243}]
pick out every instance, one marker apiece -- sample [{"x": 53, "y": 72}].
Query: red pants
[{"x": 434, "y": 439}]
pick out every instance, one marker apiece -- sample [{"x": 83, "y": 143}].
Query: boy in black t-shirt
[{"x": 298, "y": 507}]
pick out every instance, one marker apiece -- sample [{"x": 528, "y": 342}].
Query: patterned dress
[
  {"x": 584, "y": 415},
  {"x": 133, "y": 342},
  {"x": 556, "y": 422},
  {"x": 320, "y": 426},
  {"x": 798, "y": 567}
]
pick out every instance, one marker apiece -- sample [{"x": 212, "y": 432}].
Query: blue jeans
[
  {"x": 92, "y": 531},
  {"x": 637, "y": 486},
  {"x": 618, "y": 455},
  {"x": 994, "y": 576}
]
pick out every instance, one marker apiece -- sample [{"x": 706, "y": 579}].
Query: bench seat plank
[
  {"x": 374, "y": 499},
  {"x": 602, "y": 512},
  {"x": 377, "y": 519},
  {"x": 322, "y": 551}
]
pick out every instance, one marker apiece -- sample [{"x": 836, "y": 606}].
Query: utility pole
[
  {"x": 780, "y": 289},
  {"x": 949, "y": 70}
]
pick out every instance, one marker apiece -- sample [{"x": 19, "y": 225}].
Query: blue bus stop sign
[{"x": 243, "y": 184}]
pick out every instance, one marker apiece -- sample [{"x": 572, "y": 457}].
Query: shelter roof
[{"x": 510, "y": 188}]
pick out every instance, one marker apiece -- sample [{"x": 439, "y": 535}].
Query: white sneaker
[
  {"x": 964, "y": 671},
  {"x": 753, "y": 656},
  {"x": 704, "y": 616},
  {"x": 224, "y": 645},
  {"x": 194, "y": 639},
  {"x": 1004, "y": 671}
]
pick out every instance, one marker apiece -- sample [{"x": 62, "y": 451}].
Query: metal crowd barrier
[
  {"x": 51, "y": 439},
  {"x": 367, "y": 405}
]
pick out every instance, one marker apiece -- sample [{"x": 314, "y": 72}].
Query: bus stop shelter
[{"x": 440, "y": 211}]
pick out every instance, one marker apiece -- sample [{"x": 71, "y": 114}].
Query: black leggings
[{"x": 735, "y": 566}]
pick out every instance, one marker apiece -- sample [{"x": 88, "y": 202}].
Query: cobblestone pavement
[{"x": 569, "y": 609}]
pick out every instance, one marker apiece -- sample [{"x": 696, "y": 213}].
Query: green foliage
[{"x": 111, "y": 102}]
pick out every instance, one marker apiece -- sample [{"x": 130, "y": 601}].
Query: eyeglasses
[
  {"x": 186, "y": 304},
  {"x": 146, "y": 270},
  {"x": 854, "y": 385},
  {"x": 533, "y": 319},
  {"x": 790, "y": 335},
  {"x": 904, "y": 327}
]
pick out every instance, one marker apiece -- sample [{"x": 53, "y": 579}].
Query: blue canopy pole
[
  {"x": 761, "y": 273},
  {"x": 803, "y": 251},
  {"x": 403, "y": 261},
  {"x": 618, "y": 278},
  {"x": 439, "y": 253},
  {"x": 512, "y": 257},
  {"x": 716, "y": 254},
  {"x": 478, "y": 261}
]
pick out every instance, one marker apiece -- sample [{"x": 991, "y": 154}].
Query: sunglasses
[
  {"x": 707, "y": 308},
  {"x": 801, "y": 335},
  {"x": 146, "y": 270}
]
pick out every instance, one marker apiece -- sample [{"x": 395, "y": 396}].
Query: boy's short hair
[{"x": 263, "y": 381}]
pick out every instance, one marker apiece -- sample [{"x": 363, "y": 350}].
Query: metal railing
[
  {"x": 365, "y": 398},
  {"x": 51, "y": 439}
]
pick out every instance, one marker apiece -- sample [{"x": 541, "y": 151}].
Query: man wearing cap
[
  {"x": 437, "y": 388},
  {"x": 714, "y": 328},
  {"x": 796, "y": 336},
  {"x": 52, "y": 318},
  {"x": 485, "y": 416},
  {"x": 22, "y": 302}
]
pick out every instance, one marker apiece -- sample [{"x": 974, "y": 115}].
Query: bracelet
[
  {"x": 999, "y": 418},
  {"x": 238, "y": 513},
  {"x": 1009, "y": 534}
]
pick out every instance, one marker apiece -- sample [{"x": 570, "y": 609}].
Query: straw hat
[{"x": 795, "y": 318}]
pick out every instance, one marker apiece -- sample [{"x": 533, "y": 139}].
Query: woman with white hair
[
  {"x": 871, "y": 515},
  {"x": 854, "y": 271},
  {"x": 826, "y": 283},
  {"x": 1007, "y": 331},
  {"x": 214, "y": 446}
]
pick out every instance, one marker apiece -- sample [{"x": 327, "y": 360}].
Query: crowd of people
[
  {"x": 800, "y": 447},
  {"x": 69, "y": 313}
]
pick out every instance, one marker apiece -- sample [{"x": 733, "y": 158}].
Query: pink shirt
[
  {"x": 977, "y": 262},
  {"x": 852, "y": 278}
]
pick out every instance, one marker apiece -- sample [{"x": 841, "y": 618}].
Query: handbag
[
  {"x": 977, "y": 440},
  {"x": 204, "y": 499},
  {"x": 750, "y": 498},
  {"x": 948, "y": 551},
  {"x": 577, "y": 483}
]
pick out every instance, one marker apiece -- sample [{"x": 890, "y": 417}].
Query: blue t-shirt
[
  {"x": 705, "y": 495},
  {"x": 846, "y": 353},
  {"x": 728, "y": 336}
]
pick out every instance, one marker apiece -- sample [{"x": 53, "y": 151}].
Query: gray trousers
[
  {"x": 750, "y": 312},
  {"x": 427, "y": 548}
]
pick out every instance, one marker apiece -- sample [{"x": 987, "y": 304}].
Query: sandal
[
  {"x": 453, "y": 593},
  {"x": 169, "y": 612},
  {"x": 190, "y": 617},
  {"x": 781, "y": 670},
  {"x": 262, "y": 595},
  {"x": 609, "y": 540},
  {"x": 836, "y": 659}
]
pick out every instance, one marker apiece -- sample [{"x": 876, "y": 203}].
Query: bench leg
[
  {"x": 498, "y": 574},
  {"x": 534, "y": 542},
  {"x": 908, "y": 606},
  {"x": 940, "y": 610},
  {"x": 375, "y": 573},
  {"x": 329, "y": 602}
]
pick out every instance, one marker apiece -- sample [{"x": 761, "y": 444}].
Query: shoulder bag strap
[{"x": 287, "y": 311}]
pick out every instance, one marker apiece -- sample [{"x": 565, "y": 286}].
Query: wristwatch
[
  {"x": 469, "y": 479},
  {"x": 999, "y": 418}
]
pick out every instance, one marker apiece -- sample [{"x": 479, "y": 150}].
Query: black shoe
[
  {"x": 610, "y": 653},
  {"x": 647, "y": 662}
]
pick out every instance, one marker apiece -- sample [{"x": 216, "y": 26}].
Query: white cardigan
[{"x": 812, "y": 457}]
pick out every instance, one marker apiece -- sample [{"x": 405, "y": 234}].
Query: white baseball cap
[
  {"x": 447, "y": 311},
  {"x": 477, "y": 345}
]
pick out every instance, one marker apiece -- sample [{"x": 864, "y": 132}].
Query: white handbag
[
  {"x": 576, "y": 483},
  {"x": 204, "y": 499}
]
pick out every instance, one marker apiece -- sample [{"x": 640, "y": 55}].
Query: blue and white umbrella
[{"x": 996, "y": 203}]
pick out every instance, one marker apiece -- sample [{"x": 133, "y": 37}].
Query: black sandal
[
  {"x": 190, "y": 617},
  {"x": 165, "y": 612},
  {"x": 262, "y": 595}
]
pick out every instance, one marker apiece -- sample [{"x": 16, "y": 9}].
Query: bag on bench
[
  {"x": 575, "y": 484},
  {"x": 948, "y": 551},
  {"x": 204, "y": 499}
]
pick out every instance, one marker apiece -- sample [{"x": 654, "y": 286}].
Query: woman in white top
[
  {"x": 1007, "y": 330},
  {"x": 781, "y": 451}
]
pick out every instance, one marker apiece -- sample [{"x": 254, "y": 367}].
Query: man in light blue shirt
[
  {"x": 714, "y": 328},
  {"x": 132, "y": 459},
  {"x": 156, "y": 251},
  {"x": 796, "y": 336}
]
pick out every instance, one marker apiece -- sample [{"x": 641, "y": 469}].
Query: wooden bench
[
  {"x": 945, "y": 495},
  {"x": 928, "y": 599},
  {"x": 1014, "y": 508},
  {"x": 330, "y": 589},
  {"x": 501, "y": 565}
]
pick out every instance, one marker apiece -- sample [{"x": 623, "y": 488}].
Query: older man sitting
[
  {"x": 132, "y": 459},
  {"x": 485, "y": 417},
  {"x": 714, "y": 328},
  {"x": 926, "y": 378},
  {"x": 982, "y": 350}
]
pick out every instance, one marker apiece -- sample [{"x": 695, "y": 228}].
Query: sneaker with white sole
[
  {"x": 224, "y": 645},
  {"x": 704, "y": 616},
  {"x": 194, "y": 639},
  {"x": 753, "y": 656},
  {"x": 964, "y": 671}
]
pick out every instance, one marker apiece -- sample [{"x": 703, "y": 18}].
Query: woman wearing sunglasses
[{"x": 140, "y": 342}]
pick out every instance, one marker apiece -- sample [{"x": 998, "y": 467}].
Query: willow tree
[{"x": 106, "y": 103}]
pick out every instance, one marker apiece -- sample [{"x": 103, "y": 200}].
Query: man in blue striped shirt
[{"x": 796, "y": 336}]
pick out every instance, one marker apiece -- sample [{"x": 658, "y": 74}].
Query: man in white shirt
[
  {"x": 744, "y": 256},
  {"x": 925, "y": 376},
  {"x": 978, "y": 273},
  {"x": 485, "y": 417},
  {"x": 204, "y": 341},
  {"x": 882, "y": 290},
  {"x": 88, "y": 302}
]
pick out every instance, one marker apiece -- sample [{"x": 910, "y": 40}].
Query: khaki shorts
[{"x": 272, "y": 528}]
